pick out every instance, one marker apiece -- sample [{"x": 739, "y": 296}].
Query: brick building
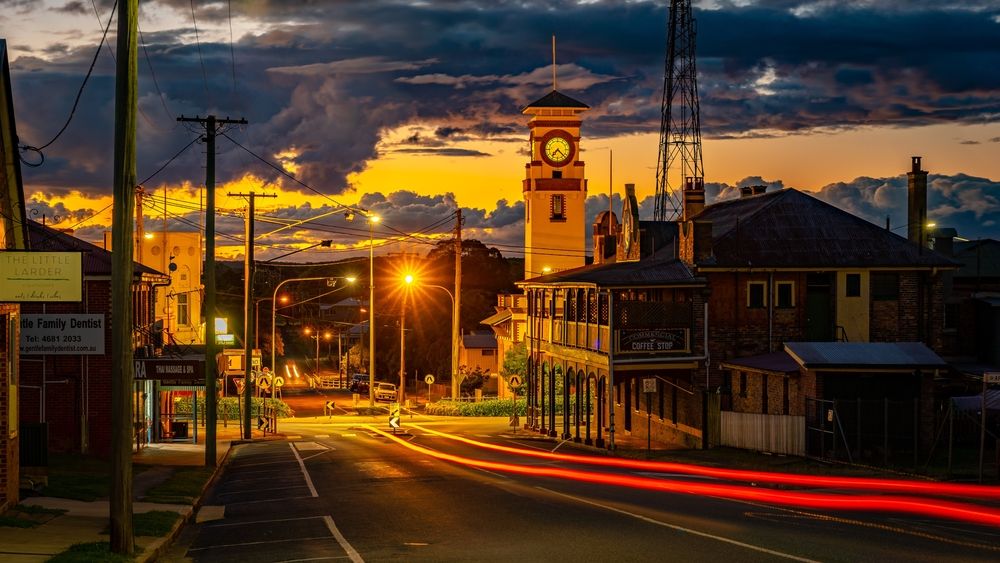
[
  {"x": 13, "y": 236},
  {"x": 71, "y": 392}
]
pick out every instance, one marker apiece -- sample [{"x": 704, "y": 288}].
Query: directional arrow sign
[
  {"x": 394, "y": 415},
  {"x": 515, "y": 381}
]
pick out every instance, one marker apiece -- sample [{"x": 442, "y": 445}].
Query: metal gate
[{"x": 871, "y": 431}]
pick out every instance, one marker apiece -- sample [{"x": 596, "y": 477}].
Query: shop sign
[
  {"x": 651, "y": 340},
  {"x": 41, "y": 276},
  {"x": 67, "y": 334},
  {"x": 172, "y": 369}
]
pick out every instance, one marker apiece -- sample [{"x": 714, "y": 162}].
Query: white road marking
[
  {"x": 492, "y": 473},
  {"x": 305, "y": 473},
  {"x": 309, "y": 446},
  {"x": 525, "y": 445},
  {"x": 271, "y": 521},
  {"x": 482, "y": 436},
  {"x": 267, "y": 500},
  {"x": 351, "y": 435},
  {"x": 681, "y": 528},
  {"x": 351, "y": 552},
  {"x": 256, "y": 490},
  {"x": 257, "y": 543},
  {"x": 318, "y": 436}
]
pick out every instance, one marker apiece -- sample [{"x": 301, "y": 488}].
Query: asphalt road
[{"x": 338, "y": 490}]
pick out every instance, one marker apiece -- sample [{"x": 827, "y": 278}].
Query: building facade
[
  {"x": 13, "y": 236},
  {"x": 71, "y": 392}
]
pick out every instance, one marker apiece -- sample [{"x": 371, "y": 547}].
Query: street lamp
[
  {"x": 256, "y": 315},
  {"x": 454, "y": 335},
  {"x": 274, "y": 309},
  {"x": 316, "y": 337},
  {"x": 372, "y": 220}
]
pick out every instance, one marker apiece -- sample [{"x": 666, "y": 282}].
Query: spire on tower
[{"x": 553, "y": 62}]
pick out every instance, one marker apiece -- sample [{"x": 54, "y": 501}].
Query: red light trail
[
  {"x": 821, "y": 501},
  {"x": 862, "y": 483}
]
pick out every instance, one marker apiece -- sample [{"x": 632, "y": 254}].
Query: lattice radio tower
[{"x": 680, "y": 125}]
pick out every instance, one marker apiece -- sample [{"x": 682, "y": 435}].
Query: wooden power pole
[
  {"x": 122, "y": 272},
  {"x": 248, "y": 324},
  {"x": 456, "y": 314},
  {"x": 211, "y": 366}
]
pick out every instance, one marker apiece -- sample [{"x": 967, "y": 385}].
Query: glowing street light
[{"x": 409, "y": 279}]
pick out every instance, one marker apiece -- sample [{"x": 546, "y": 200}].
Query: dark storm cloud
[
  {"x": 967, "y": 203},
  {"x": 329, "y": 84},
  {"x": 74, "y": 7}
]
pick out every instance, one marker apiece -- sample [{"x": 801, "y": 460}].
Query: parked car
[{"x": 385, "y": 392}]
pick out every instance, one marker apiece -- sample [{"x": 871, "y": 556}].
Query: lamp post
[
  {"x": 316, "y": 337},
  {"x": 372, "y": 220},
  {"x": 256, "y": 322},
  {"x": 454, "y": 332},
  {"x": 274, "y": 309}
]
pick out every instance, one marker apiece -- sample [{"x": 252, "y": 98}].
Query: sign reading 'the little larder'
[{"x": 41, "y": 276}]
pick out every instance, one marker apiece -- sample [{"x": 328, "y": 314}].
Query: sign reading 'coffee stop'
[{"x": 651, "y": 341}]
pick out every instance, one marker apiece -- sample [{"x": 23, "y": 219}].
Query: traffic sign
[
  {"x": 991, "y": 377},
  {"x": 240, "y": 383},
  {"x": 330, "y": 406},
  {"x": 514, "y": 381},
  {"x": 428, "y": 379},
  {"x": 394, "y": 416},
  {"x": 279, "y": 381}
]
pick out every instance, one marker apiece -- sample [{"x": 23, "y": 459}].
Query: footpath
[{"x": 87, "y": 522}]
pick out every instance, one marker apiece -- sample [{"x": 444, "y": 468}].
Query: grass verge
[
  {"x": 155, "y": 523},
  {"x": 182, "y": 487},
  {"x": 89, "y": 553}
]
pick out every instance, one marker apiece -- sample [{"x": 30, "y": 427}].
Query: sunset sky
[{"x": 407, "y": 107}]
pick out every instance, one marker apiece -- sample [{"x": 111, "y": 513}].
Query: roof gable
[
  {"x": 788, "y": 228},
  {"x": 556, "y": 99}
]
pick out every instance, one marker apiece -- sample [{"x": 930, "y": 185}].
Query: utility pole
[
  {"x": 140, "y": 230},
  {"x": 248, "y": 327},
  {"x": 211, "y": 366},
  {"x": 122, "y": 375},
  {"x": 455, "y": 315}
]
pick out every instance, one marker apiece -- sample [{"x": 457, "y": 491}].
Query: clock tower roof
[{"x": 555, "y": 99}]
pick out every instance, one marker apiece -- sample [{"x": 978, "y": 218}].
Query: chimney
[
  {"x": 757, "y": 190},
  {"x": 746, "y": 191},
  {"x": 702, "y": 240},
  {"x": 694, "y": 196},
  {"x": 916, "y": 194}
]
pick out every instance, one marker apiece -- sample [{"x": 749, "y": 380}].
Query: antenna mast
[{"x": 680, "y": 115}]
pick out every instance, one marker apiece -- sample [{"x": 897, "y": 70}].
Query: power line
[
  {"x": 160, "y": 169},
  {"x": 204, "y": 74},
  {"x": 152, "y": 73},
  {"x": 76, "y": 102},
  {"x": 232, "y": 53}
]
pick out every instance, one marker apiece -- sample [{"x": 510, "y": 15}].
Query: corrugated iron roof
[
  {"x": 556, "y": 99},
  {"x": 979, "y": 258},
  {"x": 660, "y": 269},
  {"x": 787, "y": 228},
  {"x": 870, "y": 355},
  {"x": 479, "y": 340},
  {"x": 96, "y": 260}
]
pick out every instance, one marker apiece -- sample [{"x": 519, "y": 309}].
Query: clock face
[{"x": 558, "y": 150}]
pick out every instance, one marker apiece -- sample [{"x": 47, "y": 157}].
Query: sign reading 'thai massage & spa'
[{"x": 41, "y": 276}]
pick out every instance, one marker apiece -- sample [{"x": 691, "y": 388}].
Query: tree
[{"x": 515, "y": 362}]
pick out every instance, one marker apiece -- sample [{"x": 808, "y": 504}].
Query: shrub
[
  {"x": 229, "y": 407},
  {"x": 493, "y": 407}
]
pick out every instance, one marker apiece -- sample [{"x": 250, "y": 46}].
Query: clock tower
[{"x": 554, "y": 188}]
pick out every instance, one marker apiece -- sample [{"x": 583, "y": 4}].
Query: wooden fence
[{"x": 778, "y": 434}]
